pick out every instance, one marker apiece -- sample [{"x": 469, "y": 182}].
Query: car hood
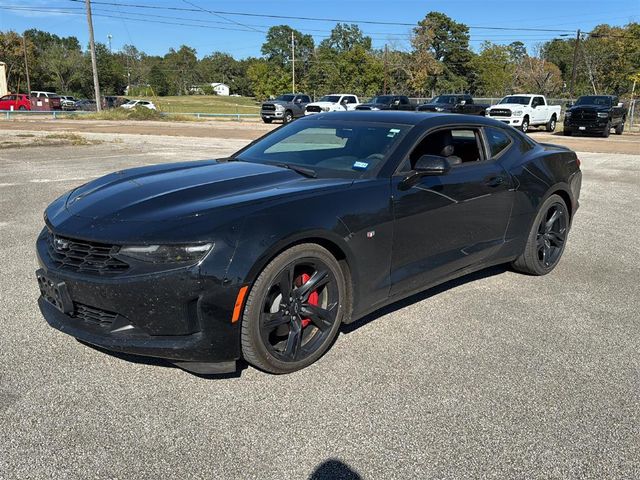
[
  {"x": 322, "y": 104},
  {"x": 192, "y": 189},
  {"x": 376, "y": 105},
  {"x": 511, "y": 106},
  {"x": 599, "y": 108}
]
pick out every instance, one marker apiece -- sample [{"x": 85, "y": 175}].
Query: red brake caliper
[{"x": 313, "y": 297}]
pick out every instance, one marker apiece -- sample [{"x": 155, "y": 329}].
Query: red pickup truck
[{"x": 15, "y": 101}]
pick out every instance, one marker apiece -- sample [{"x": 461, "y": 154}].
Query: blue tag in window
[{"x": 360, "y": 165}]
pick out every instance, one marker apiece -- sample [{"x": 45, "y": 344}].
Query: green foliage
[
  {"x": 494, "y": 70},
  {"x": 345, "y": 37}
]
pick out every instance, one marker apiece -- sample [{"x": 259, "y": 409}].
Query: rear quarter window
[{"x": 498, "y": 140}]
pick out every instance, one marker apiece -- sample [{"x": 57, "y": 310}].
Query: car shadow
[
  {"x": 159, "y": 362},
  {"x": 418, "y": 297},
  {"x": 334, "y": 469}
]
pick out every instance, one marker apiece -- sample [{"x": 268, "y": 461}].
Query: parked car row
[
  {"x": 592, "y": 113},
  {"x": 52, "y": 101}
]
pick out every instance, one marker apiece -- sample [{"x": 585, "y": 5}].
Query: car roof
[{"x": 404, "y": 117}]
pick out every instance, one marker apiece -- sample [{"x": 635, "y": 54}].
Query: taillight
[{"x": 578, "y": 162}]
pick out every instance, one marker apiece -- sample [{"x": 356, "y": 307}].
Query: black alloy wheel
[
  {"x": 294, "y": 310},
  {"x": 547, "y": 238}
]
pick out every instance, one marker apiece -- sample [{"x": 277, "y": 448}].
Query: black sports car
[{"x": 265, "y": 254}]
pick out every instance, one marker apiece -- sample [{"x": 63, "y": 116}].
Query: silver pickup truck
[{"x": 285, "y": 107}]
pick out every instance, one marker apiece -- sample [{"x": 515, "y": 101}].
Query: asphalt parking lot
[{"x": 494, "y": 375}]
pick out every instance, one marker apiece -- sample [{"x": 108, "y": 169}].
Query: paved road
[{"x": 495, "y": 375}]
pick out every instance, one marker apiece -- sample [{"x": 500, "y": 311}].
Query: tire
[
  {"x": 546, "y": 241},
  {"x": 525, "y": 125},
  {"x": 273, "y": 337},
  {"x": 288, "y": 117},
  {"x": 620, "y": 128},
  {"x": 607, "y": 131},
  {"x": 22, "y": 107},
  {"x": 551, "y": 124},
  {"x": 567, "y": 132},
  {"x": 267, "y": 120}
]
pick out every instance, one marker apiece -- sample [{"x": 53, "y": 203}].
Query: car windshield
[
  {"x": 285, "y": 98},
  {"x": 328, "y": 149},
  {"x": 330, "y": 98},
  {"x": 594, "y": 100},
  {"x": 516, "y": 99},
  {"x": 131, "y": 102},
  {"x": 382, "y": 99},
  {"x": 444, "y": 99}
]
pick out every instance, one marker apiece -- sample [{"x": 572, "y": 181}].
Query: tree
[
  {"x": 158, "y": 80},
  {"x": 423, "y": 67},
  {"x": 448, "y": 43},
  {"x": 181, "y": 67},
  {"x": 345, "y": 37},
  {"x": 267, "y": 78},
  {"x": 277, "y": 45},
  {"x": 538, "y": 75},
  {"x": 11, "y": 53},
  {"x": 494, "y": 69},
  {"x": 62, "y": 63}
]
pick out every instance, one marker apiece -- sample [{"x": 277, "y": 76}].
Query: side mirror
[
  {"x": 620, "y": 105},
  {"x": 569, "y": 104},
  {"x": 426, "y": 166},
  {"x": 463, "y": 102},
  {"x": 396, "y": 102},
  {"x": 298, "y": 100}
]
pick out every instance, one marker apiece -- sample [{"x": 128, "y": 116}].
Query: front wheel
[
  {"x": 546, "y": 240},
  {"x": 620, "y": 128},
  {"x": 266, "y": 120},
  {"x": 607, "y": 130},
  {"x": 525, "y": 125},
  {"x": 288, "y": 117},
  {"x": 294, "y": 310},
  {"x": 22, "y": 107}
]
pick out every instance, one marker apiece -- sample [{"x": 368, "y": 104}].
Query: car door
[
  {"x": 449, "y": 222},
  {"x": 540, "y": 112},
  {"x": 5, "y": 102}
]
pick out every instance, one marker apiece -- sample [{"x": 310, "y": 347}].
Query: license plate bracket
[{"x": 55, "y": 292}]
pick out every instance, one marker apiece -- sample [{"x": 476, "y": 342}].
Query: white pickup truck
[
  {"x": 525, "y": 110},
  {"x": 336, "y": 102}
]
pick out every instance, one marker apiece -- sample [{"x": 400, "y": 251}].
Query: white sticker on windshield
[
  {"x": 393, "y": 132},
  {"x": 361, "y": 165}
]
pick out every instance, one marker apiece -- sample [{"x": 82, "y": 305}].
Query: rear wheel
[
  {"x": 525, "y": 125},
  {"x": 294, "y": 310},
  {"x": 551, "y": 124},
  {"x": 546, "y": 240},
  {"x": 620, "y": 128}
]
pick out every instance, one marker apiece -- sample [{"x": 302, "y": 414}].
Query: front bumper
[
  {"x": 514, "y": 121},
  {"x": 272, "y": 114},
  {"x": 180, "y": 315},
  {"x": 591, "y": 126}
]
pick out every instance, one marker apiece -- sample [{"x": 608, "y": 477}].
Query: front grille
[
  {"x": 93, "y": 315},
  {"x": 85, "y": 257},
  {"x": 314, "y": 109},
  {"x": 500, "y": 112},
  {"x": 268, "y": 107},
  {"x": 584, "y": 115},
  {"x": 363, "y": 107}
]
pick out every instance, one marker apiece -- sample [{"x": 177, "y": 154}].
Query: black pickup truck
[
  {"x": 387, "y": 102},
  {"x": 454, "y": 103},
  {"x": 595, "y": 114}
]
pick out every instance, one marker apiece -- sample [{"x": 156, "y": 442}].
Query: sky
[{"x": 215, "y": 26}]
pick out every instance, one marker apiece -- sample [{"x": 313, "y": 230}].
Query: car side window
[
  {"x": 458, "y": 145},
  {"x": 538, "y": 101},
  {"x": 498, "y": 141},
  {"x": 351, "y": 99},
  {"x": 404, "y": 101},
  {"x": 305, "y": 99}
]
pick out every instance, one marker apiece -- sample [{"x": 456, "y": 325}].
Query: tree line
[{"x": 439, "y": 60}]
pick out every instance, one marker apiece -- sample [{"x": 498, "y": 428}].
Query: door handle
[{"x": 495, "y": 181}]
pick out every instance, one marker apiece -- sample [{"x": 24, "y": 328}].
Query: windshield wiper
[{"x": 307, "y": 172}]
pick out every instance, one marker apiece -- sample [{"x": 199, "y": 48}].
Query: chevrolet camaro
[{"x": 262, "y": 256}]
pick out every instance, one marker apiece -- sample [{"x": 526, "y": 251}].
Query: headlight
[
  {"x": 325, "y": 109},
  {"x": 439, "y": 109},
  {"x": 517, "y": 113},
  {"x": 603, "y": 115},
  {"x": 279, "y": 107},
  {"x": 166, "y": 253},
  {"x": 567, "y": 114}
]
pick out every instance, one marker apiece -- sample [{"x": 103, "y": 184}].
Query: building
[{"x": 220, "y": 89}]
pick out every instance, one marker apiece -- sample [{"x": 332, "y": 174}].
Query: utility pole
[
  {"x": 575, "y": 61},
  {"x": 109, "y": 37},
  {"x": 386, "y": 50},
  {"x": 94, "y": 63},
  {"x": 26, "y": 63},
  {"x": 293, "y": 64}
]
